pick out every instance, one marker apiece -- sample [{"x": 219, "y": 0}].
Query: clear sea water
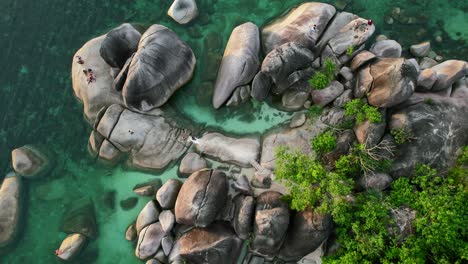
[{"x": 37, "y": 105}]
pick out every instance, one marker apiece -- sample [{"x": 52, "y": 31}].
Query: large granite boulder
[
  {"x": 271, "y": 224},
  {"x": 149, "y": 241},
  {"x": 239, "y": 151},
  {"x": 10, "y": 204},
  {"x": 30, "y": 162},
  {"x": 439, "y": 129},
  {"x": 100, "y": 93},
  {"x": 119, "y": 44},
  {"x": 167, "y": 194},
  {"x": 201, "y": 198},
  {"x": 80, "y": 218},
  {"x": 215, "y": 244},
  {"x": 306, "y": 233},
  {"x": 393, "y": 82},
  {"x": 297, "y": 26},
  {"x": 240, "y": 62},
  {"x": 71, "y": 246},
  {"x": 162, "y": 64},
  {"x": 151, "y": 141},
  {"x": 191, "y": 163},
  {"x": 183, "y": 11},
  {"x": 449, "y": 72}
]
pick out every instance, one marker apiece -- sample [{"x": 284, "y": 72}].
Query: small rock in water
[
  {"x": 183, "y": 11},
  {"x": 389, "y": 20},
  {"x": 381, "y": 37},
  {"x": 128, "y": 203},
  {"x": 147, "y": 188},
  {"x": 130, "y": 233},
  {"x": 29, "y": 162},
  {"x": 421, "y": 49},
  {"x": 297, "y": 120},
  {"x": 71, "y": 246}
]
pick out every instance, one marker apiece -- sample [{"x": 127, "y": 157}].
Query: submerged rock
[
  {"x": 183, "y": 11},
  {"x": 71, "y": 246},
  {"x": 271, "y": 224},
  {"x": 167, "y": 194},
  {"x": 239, "y": 151},
  {"x": 100, "y": 93},
  {"x": 10, "y": 204},
  {"x": 131, "y": 233},
  {"x": 29, "y": 162},
  {"x": 201, "y": 198},
  {"x": 80, "y": 218},
  {"x": 162, "y": 64},
  {"x": 297, "y": 26},
  {"x": 240, "y": 62},
  {"x": 148, "y": 188},
  {"x": 119, "y": 44},
  {"x": 421, "y": 49},
  {"x": 297, "y": 120},
  {"x": 215, "y": 244}
]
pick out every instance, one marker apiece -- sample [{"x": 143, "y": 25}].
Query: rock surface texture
[{"x": 183, "y": 11}]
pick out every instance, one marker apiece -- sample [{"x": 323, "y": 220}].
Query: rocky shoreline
[{"x": 209, "y": 217}]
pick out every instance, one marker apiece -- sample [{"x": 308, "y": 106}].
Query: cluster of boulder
[
  {"x": 29, "y": 162},
  {"x": 206, "y": 220}
]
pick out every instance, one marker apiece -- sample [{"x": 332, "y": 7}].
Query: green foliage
[
  {"x": 314, "y": 111},
  {"x": 429, "y": 101},
  {"x": 308, "y": 181},
  {"x": 463, "y": 159},
  {"x": 324, "y": 142},
  {"x": 401, "y": 135},
  {"x": 362, "y": 160},
  {"x": 319, "y": 81},
  {"x": 350, "y": 51},
  {"x": 362, "y": 111},
  {"x": 322, "y": 78}
]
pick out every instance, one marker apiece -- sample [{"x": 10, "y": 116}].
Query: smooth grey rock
[
  {"x": 333, "y": 116},
  {"x": 215, "y": 244},
  {"x": 120, "y": 79},
  {"x": 271, "y": 224},
  {"x": 130, "y": 233},
  {"x": 243, "y": 215},
  {"x": 191, "y": 163},
  {"x": 404, "y": 218},
  {"x": 183, "y": 11},
  {"x": 261, "y": 86},
  {"x": 345, "y": 97},
  {"x": 307, "y": 232},
  {"x": 421, "y": 49},
  {"x": 238, "y": 151},
  {"x": 160, "y": 256},
  {"x": 363, "y": 82},
  {"x": 460, "y": 89},
  {"x": 426, "y": 80},
  {"x": 353, "y": 34},
  {"x": 297, "y": 26},
  {"x": 242, "y": 185},
  {"x": 167, "y": 220},
  {"x": 156, "y": 71},
  {"x": 30, "y": 162},
  {"x": 10, "y": 214},
  {"x": 340, "y": 20},
  {"x": 427, "y": 63},
  {"x": 449, "y": 72},
  {"x": 148, "y": 188},
  {"x": 240, "y": 62},
  {"x": 361, "y": 59},
  {"x": 297, "y": 120},
  {"x": 393, "y": 82},
  {"x": 346, "y": 73},
  {"x": 201, "y": 198},
  {"x": 167, "y": 194},
  {"x": 378, "y": 181},
  {"x": 119, "y": 44},
  {"x": 149, "y": 241},
  {"x": 148, "y": 215},
  {"x": 294, "y": 100},
  {"x": 439, "y": 127},
  {"x": 415, "y": 63},
  {"x": 166, "y": 244},
  {"x": 71, "y": 246},
  {"x": 388, "y": 48},
  {"x": 369, "y": 133},
  {"x": 328, "y": 94},
  {"x": 95, "y": 95},
  {"x": 240, "y": 95},
  {"x": 109, "y": 152}
]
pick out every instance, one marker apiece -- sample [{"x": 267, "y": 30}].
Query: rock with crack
[
  {"x": 183, "y": 11},
  {"x": 240, "y": 62},
  {"x": 119, "y": 44},
  {"x": 271, "y": 224},
  {"x": 438, "y": 130},
  {"x": 71, "y": 247},
  {"x": 298, "y": 26},
  {"x": 308, "y": 225},
  {"x": 10, "y": 214},
  {"x": 162, "y": 64},
  {"x": 152, "y": 142},
  {"x": 99, "y": 93},
  {"x": 215, "y": 244},
  {"x": 238, "y": 151},
  {"x": 393, "y": 82},
  {"x": 201, "y": 198},
  {"x": 31, "y": 162},
  {"x": 149, "y": 241}
]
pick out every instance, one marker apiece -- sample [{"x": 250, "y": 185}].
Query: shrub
[
  {"x": 463, "y": 159},
  {"x": 314, "y": 111},
  {"x": 362, "y": 111},
  {"x": 329, "y": 69},
  {"x": 324, "y": 142},
  {"x": 319, "y": 81},
  {"x": 349, "y": 51},
  {"x": 401, "y": 135}
]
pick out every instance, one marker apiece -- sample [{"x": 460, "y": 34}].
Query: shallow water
[{"x": 37, "y": 105}]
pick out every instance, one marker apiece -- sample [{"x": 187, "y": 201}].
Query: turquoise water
[{"x": 37, "y": 41}]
